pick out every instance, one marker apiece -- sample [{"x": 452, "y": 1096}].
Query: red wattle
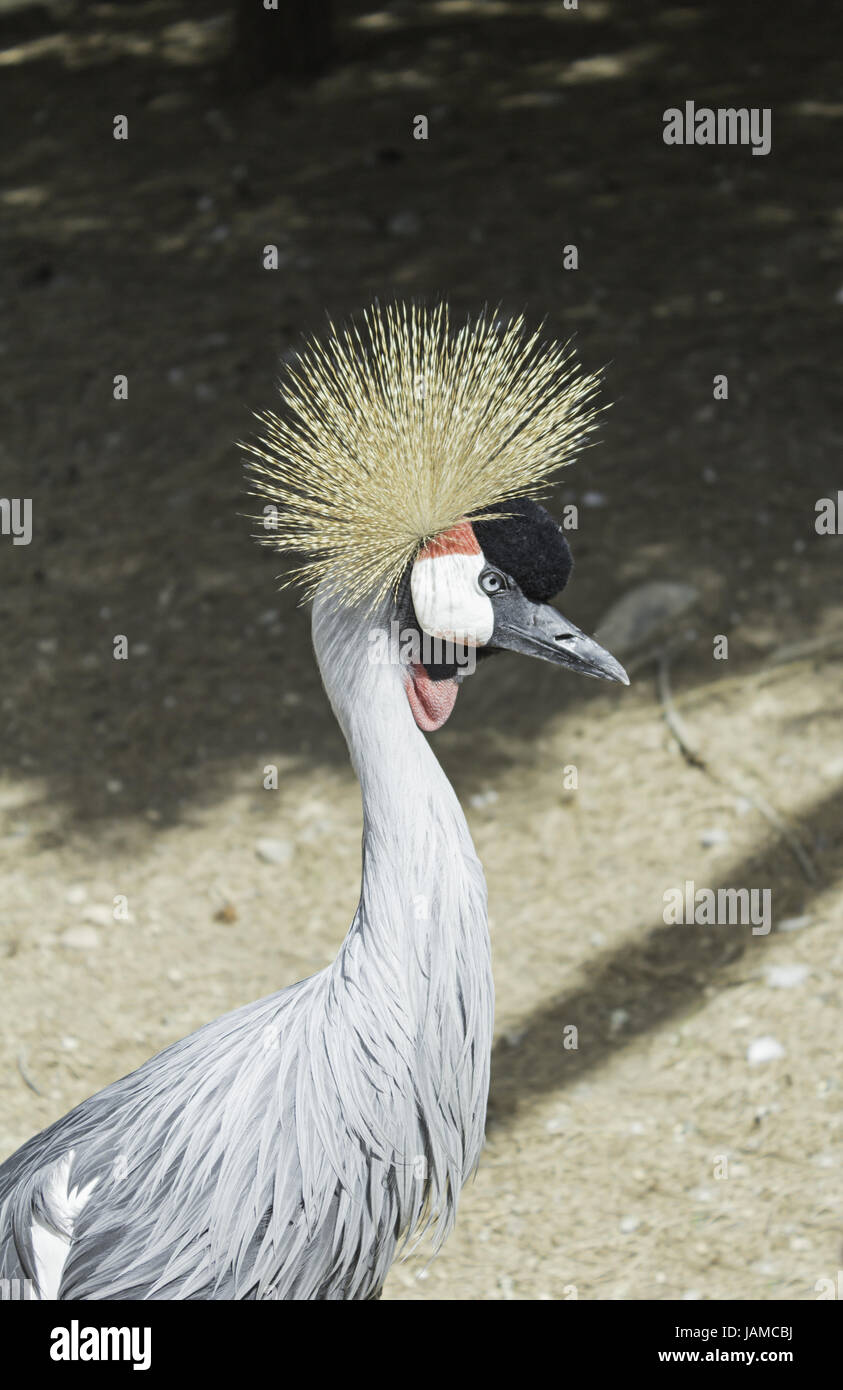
[{"x": 430, "y": 701}]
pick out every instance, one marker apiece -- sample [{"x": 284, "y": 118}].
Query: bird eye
[{"x": 491, "y": 582}]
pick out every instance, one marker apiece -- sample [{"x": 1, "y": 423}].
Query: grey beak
[{"x": 536, "y": 629}]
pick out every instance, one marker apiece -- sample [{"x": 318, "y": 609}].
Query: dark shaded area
[{"x": 295, "y": 38}]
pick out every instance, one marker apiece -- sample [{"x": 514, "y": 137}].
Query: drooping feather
[{"x": 394, "y": 430}]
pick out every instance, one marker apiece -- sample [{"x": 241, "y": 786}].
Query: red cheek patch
[{"x": 460, "y": 540}]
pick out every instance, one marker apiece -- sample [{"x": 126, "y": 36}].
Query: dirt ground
[{"x": 658, "y": 1159}]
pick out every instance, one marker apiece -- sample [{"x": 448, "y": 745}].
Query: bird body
[{"x": 285, "y": 1150}]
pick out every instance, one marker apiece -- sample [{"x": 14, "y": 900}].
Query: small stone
[
  {"x": 274, "y": 851},
  {"x": 714, "y": 835},
  {"x": 617, "y": 1020},
  {"x": 317, "y": 830},
  {"x": 594, "y": 499},
  {"x": 559, "y": 1120},
  {"x": 227, "y": 913},
  {"x": 794, "y": 923},
  {"x": 628, "y": 1224},
  {"x": 76, "y": 894},
  {"x": 80, "y": 938},
  {"x": 766, "y": 1049},
  {"x": 645, "y": 612},
  {"x": 100, "y": 915},
  {"x": 785, "y": 976},
  {"x": 405, "y": 224},
  {"x": 48, "y": 646},
  {"x": 481, "y": 799}
]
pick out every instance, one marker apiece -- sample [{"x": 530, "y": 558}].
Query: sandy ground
[{"x": 654, "y": 1160}]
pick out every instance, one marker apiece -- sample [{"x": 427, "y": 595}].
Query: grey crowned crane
[{"x": 285, "y": 1150}]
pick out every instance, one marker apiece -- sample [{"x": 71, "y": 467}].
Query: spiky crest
[{"x": 395, "y": 430}]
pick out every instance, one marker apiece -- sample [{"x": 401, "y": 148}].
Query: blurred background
[{"x": 689, "y": 1145}]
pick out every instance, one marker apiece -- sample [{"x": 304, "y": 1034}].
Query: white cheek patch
[{"x": 448, "y": 600}]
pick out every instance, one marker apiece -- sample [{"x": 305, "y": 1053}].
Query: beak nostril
[{"x": 564, "y": 637}]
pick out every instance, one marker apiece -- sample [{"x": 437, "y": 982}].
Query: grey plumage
[{"x": 284, "y": 1150}]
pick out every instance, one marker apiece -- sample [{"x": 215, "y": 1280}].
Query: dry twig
[{"x": 692, "y": 755}]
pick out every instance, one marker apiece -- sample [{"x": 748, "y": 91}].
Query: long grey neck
[
  {"x": 418, "y": 850},
  {"x": 418, "y": 949}
]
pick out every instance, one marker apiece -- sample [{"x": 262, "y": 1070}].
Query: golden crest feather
[{"x": 396, "y": 429}]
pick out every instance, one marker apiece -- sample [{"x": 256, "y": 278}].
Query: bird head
[
  {"x": 403, "y": 469},
  {"x": 484, "y": 587}
]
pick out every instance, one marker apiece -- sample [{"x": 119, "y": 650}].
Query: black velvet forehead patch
[{"x": 529, "y": 546}]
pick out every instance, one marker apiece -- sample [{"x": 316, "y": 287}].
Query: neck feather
[
  {"x": 416, "y": 959},
  {"x": 415, "y": 836}
]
